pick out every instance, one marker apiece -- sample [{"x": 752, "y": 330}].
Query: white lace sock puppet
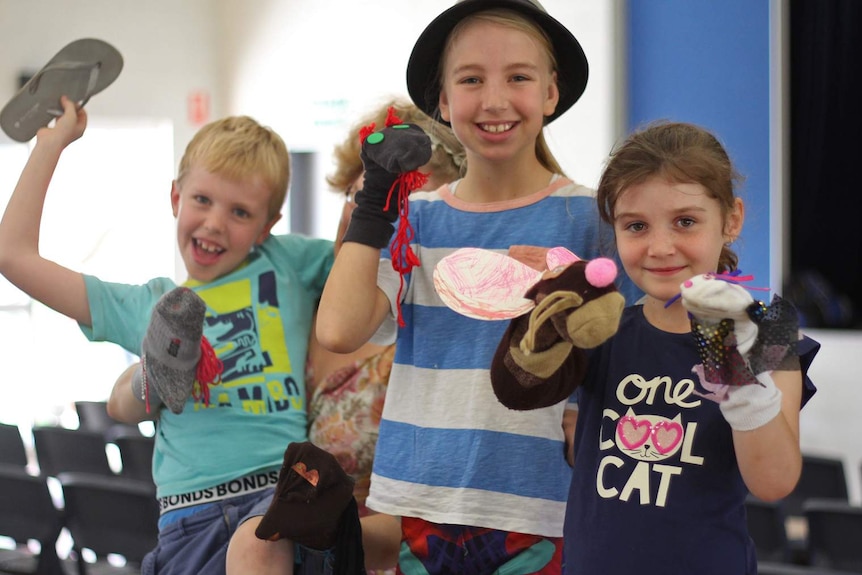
[{"x": 740, "y": 341}]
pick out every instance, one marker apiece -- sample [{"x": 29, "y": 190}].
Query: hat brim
[
  {"x": 80, "y": 70},
  {"x": 422, "y": 67}
]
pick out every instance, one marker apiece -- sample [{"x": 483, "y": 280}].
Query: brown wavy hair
[{"x": 679, "y": 152}]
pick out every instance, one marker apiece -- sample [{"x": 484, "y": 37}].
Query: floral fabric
[{"x": 344, "y": 414}]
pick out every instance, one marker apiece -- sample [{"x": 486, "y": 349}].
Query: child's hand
[
  {"x": 172, "y": 353},
  {"x": 541, "y": 359},
  {"x": 747, "y": 407},
  {"x": 727, "y": 335},
  {"x": 68, "y": 127},
  {"x": 583, "y": 304},
  {"x": 710, "y": 300},
  {"x": 386, "y": 154}
]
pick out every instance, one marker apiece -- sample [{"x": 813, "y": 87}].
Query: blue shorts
[{"x": 196, "y": 544}]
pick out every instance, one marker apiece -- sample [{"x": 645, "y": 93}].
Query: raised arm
[
  {"x": 352, "y": 306},
  {"x": 20, "y": 261},
  {"x": 757, "y": 382}
]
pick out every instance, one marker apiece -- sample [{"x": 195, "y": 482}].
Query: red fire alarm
[{"x": 199, "y": 108}]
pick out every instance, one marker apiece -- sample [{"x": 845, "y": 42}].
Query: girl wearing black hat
[{"x": 477, "y": 486}]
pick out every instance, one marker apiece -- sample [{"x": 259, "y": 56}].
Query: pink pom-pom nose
[{"x": 601, "y": 272}]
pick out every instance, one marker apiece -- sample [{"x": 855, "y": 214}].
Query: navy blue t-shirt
[{"x": 655, "y": 487}]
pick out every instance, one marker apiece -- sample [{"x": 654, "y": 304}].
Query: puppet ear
[
  {"x": 560, "y": 257},
  {"x": 483, "y": 284}
]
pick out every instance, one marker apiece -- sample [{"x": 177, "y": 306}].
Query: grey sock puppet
[
  {"x": 393, "y": 151},
  {"x": 171, "y": 350}
]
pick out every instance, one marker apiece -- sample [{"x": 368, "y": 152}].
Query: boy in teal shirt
[{"x": 218, "y": 452}]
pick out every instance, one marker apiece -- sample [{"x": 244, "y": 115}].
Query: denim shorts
[{"x": 197, "y": 544}]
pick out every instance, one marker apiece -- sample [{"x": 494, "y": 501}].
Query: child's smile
[
  {"x": 666, "y": 233},
  {"x": 219, "y": 221},
  {"x": 498, "y": 88}
]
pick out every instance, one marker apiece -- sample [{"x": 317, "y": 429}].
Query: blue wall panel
[{"x": 707, "y": 62}]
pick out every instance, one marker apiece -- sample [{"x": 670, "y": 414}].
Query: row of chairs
[
  {"x": 815, "y": 527},
  {"x": 59, "y": 449},
  {"x": 787, "y": 569},
  {"x": 833, "y": 534},
  {"x": 104, "y": 516},
  {"x": 85, "y": 448},
  {"x": 105, "y": 513},
  {"x": 93, "y": 416}
]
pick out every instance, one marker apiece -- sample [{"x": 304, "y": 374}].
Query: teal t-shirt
[{"x": 258, "y": 321}]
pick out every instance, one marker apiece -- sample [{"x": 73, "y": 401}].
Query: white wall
[
  {"x": 169, "y": 48},
  {"x": 310, "y": 67},
  {"x": 830, "y": 424}
]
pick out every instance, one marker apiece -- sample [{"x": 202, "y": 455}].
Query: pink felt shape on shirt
[{"x": 488, "y": 285}]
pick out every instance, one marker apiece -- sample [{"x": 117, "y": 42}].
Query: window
[{"x": 107, "y": 214}]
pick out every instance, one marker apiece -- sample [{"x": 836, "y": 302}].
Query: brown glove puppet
[
  {"x": 541, "y": 359},
  {"x": 313, "y": 505}
]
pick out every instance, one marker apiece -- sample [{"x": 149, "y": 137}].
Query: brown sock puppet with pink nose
[{"x": 541, "y": 360}]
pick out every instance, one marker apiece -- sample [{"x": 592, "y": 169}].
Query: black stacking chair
[
  {"x": 109, "y": 515},
  {"x": 59, "y": 449},
  {"x": 766, "y": 527},
  {"x": 767, "y": 568},
  {"x": 12, "y": 450},
  {"x": 834, "y": 534},
  {"x": 822, "y": 477},
  {"x": 136, "y": 454},
  {"x": 93, "y": 416},
  {"x": 27, "y": 513}
]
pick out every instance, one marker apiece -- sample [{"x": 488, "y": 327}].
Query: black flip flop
[{"x": 83, "y": 68}]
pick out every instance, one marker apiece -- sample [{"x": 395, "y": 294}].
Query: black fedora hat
[{"x": 422, "y": 68}]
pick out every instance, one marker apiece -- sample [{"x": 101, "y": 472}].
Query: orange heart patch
[{"x": 310, "y": 475}]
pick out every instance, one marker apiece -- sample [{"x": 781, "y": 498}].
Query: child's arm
[
  {"x": 123, "y": 405},
  {"x": 352, "y": 307},
  {"x": 20, "y": 261},
  {"x": 381, "y": 540},
  {"x": 769, "y": 457},
  {"x": 749, "y": 353}
]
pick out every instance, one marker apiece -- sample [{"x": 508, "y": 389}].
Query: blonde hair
[
  {"x": 515, "y": 21},
  {"x": 680, "y": 152},
  {"x": 447, "y": 163},
  {"x": 239, "y": 148}
]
